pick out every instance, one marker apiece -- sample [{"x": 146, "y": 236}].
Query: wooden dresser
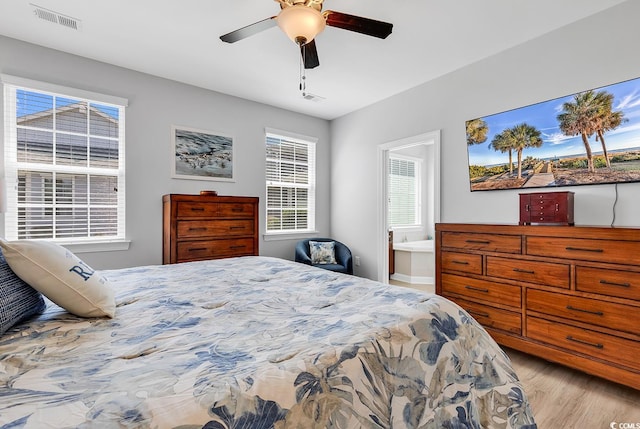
[
  {"x": 197, "y": 227},
  {"x": 569, "y": 294}
]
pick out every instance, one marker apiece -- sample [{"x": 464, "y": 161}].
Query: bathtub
[
  {"x": 414, "y": 262},
  {"x": 415, "y": 246}
]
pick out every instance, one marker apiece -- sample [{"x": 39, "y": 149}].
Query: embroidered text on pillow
[{"x": 80, "y": 270}]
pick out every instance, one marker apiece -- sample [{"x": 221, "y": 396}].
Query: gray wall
[
  {"x": 154, "y": 105},
  {"x": 594, "y": 52}
]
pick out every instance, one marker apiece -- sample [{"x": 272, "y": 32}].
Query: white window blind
[
  {"x": 404, "y": 192},
  {"x": 64, "y": 163},
  {"x": 290, "y": 180}
]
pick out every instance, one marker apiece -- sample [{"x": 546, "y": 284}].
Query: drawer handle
[
  {"x": 197, "y": 249},
  {"x": 197, "y": 209},
  {"x": 520, "y": 270},
  {"x": 604, "y": 282},
  {"x": 582, "y": 249},
  {"x": 596, "y": 313},
  {"x": 477, "y": 289},
  {"x": 236, "y": 227},
  {"x": 478, "y": 241},
  {"x": 198, "y": 229},
  {"x": 479, "y": 313},
  {"x": 237, "y": 209},
  {"x": 587, "y": 343},
  {"x": 236, "y": 247},
  {"x": 460, "y": 262}
]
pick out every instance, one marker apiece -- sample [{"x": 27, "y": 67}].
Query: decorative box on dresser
[
  {"x": 199, "y": 227},
  {"x": 546, "y": 207},
  {"x": 569, "y": 294}
]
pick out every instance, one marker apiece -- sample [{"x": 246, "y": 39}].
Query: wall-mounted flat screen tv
[{"x": 592, "y": 137}]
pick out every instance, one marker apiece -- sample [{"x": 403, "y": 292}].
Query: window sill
[
  {"x": 412, "y": 228},
  {"x": 96, "y": 246},
  {"x": 275, "y": 236}
]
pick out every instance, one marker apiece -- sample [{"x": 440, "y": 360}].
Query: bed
[{"x": 257, "y": 342}]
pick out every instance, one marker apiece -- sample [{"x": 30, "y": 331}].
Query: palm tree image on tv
[{"x": 592, "y": 137}]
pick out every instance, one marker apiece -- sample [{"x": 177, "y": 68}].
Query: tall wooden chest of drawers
[
  {"x": 567, "y": 294},
  {"x": 199, "y": 227}
]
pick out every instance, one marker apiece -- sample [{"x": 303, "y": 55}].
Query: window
[
  {"x": 64, "y": 163},
  {"x": 290, "y": 179},
  {"x": 404, "y": 191}
]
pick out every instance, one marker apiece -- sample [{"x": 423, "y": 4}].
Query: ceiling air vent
[
  {"x": 312, "y": 97},
  {"x": 55, "y": 17}
]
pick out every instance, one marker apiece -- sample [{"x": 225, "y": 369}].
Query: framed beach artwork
[
  {"x": 201, "y": 155},
  {"x": 588, "y": 138}
]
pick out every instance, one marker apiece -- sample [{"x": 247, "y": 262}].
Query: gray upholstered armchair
[{"x": 342, "y": 255}]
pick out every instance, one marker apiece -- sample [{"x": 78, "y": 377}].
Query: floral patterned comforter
[{"x": 258, "y": 342}]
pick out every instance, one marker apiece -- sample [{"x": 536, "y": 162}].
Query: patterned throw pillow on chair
[{"x": 322, "y": 252}]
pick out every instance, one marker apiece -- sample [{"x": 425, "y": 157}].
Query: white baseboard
[{"x": 416, "y": 280}]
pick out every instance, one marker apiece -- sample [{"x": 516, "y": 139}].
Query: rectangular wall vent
[
  {"x": 55, "y": 17},
  {"x": 312, "y": 97}
]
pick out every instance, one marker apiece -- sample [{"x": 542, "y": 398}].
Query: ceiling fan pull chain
[{"x": 303, "y": 73}]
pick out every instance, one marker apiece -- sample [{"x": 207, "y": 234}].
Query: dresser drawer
[
  {"x": 196, "y": 209},
  {"x": 463, "y": 262},
  {"x": 614, "y": 349},
  {"x": 192, "y": 250},
  {"x": 484, "y": 242},
  {"x": 544, "y": 208},
  {"x": 606, "y": 314},
  {"x": 235, "y": 209},
  {"x": 217, "y": 228},
  {"x": 491, "y": 317},
  {"x": 621, "y": 252},
  {"x": 551, "y": 216},
  {"x": 481, "y": 289},
  {"x": 541, "y": 197},
  {"x": 623, "y": 284},
  {"x": 541, "y": 217},
  {"x": 544, "y": 273}
]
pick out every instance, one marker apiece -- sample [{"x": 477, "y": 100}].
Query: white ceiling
[{"x": 179, "y": 40}]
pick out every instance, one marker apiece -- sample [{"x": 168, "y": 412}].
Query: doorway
[{"x": 430, "y": 143}]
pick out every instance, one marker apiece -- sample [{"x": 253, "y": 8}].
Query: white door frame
[{"x": 382, "y": 237}]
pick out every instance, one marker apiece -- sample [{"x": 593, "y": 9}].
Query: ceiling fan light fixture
[{"x": 301, "y": 23}]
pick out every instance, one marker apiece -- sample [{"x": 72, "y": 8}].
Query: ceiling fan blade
[
  {"x": 249, "y": 30},
  {"x": 310, "y": 55},
  {"x": 367, "y": 26}
]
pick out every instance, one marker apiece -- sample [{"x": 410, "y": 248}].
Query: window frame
[
  {"x": 418, "y": 166},
  {"x": 11, "y": 165},
  {"x": 311, "y": 142}
]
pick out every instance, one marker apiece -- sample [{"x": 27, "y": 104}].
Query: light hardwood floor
[
  {"x": 565, "y": 398},
  {"x": 423, "y": 287}
]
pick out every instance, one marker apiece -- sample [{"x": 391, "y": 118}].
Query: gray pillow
[
  {"x": 18, "y": 300},
  {"x": 322, "y": 252}
]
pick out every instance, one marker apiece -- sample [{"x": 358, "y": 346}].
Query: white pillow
[{"x": 61, "y": 276}]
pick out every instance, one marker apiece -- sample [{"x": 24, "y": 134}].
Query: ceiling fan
[{"x": 303, "y": 20}]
